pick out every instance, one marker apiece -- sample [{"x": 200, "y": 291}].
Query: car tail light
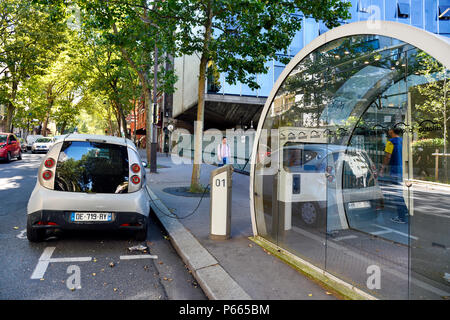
[
  {"x": 135, "y": 179},
  {"x": 130, "y": 225},
  {"x": 47, "y": 223},
  {"x": 47, "y": 175},
  {"x": 49, "y": 163},
  {"x": 135, "y": 168}
]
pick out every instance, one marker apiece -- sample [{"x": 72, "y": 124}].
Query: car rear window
[
  {"x": 357, "y": 171},
  {"x": 92, "y": 167}
]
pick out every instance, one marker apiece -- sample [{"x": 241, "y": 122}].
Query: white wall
[{"x": 186, "y": 87}]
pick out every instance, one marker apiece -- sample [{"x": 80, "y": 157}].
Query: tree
[
  {"x": 134, "y": 30},
  {"x": 29, "y": 35},
  {"x": 434, "y": 100},
  {"x": 239, "y": 37}
]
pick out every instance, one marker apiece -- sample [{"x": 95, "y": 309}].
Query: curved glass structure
[{"x": 351, "y": 169}]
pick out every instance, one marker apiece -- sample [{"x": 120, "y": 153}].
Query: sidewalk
[{"x": 232, "y": 269}]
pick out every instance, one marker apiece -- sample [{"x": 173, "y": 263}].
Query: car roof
[{"x": 98, "y": 138}]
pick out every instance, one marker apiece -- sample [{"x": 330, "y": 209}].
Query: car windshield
[
  {"x": 44, "y": 140},
  {"x": 3, "y": 138},
  {"x": 92, "y": 167}
]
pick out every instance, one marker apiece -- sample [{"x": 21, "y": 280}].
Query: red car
[{"x": 9, "y": 147}]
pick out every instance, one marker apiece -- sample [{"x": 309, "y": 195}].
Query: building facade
[{"x": 237, "y": 106}]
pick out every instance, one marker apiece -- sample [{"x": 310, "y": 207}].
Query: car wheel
[
  {"x": 141, "y": 235},
  {"x": 8, "y": 157},
  {"x": 19, "y": 157},
  {"x": 310, "y": 214},
  {"x": 34, "y": 234}
]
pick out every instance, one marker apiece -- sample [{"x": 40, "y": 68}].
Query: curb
[{"x": 215, "y": 282}]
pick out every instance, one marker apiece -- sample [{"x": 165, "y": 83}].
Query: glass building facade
[
  {"x": 351, "y": 167},
  {"x": 429, "y": 15}
]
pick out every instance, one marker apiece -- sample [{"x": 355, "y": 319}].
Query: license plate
[
  {"x": 90, "y": 216},
  {"x": 359, "y": 205}
]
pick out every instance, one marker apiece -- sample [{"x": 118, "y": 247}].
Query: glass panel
[
  {"x": 311, "y": 28},
  {"x": 431, "y": 15},
  {"x": 92, "y": 167},
  {"x": 428, "y": 87},
  {"x": 391, "y": 10},
  {"x": 234, "y": 89},
  {"x": 352, "y": 168},
  {"x": 266, "y": 80},
  {"x": 417, "y": 13}
]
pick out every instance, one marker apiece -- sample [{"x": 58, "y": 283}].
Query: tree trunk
[
  {"x": 63, "y": 127},
  {"x": 198, "y": 127},
  {"x": 9, "y": 116}
]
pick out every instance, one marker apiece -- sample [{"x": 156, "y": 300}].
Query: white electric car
[{"x": 89, "y": 182}]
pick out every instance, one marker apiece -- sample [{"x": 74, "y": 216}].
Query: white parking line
[
  {"x": 344, "y": 238},
  {"x": 395, "y": 231},
  {"x": 377, "y": 233},
  {"x": 45, "y": 260},
  {"x": 145, "y": 256}
]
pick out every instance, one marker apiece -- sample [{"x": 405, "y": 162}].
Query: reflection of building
[
  {"x": 320, "y": 194},
  {"x": 231, "y": 106}
]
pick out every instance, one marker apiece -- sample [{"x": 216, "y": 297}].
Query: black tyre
[
  {"x": 8, "y": 157},
  {"x": 34, "y": 234},
  {"x": 141, "y": 235},
  {"x": 310, "y": 214},
  {"x": 19, "y": 157}
]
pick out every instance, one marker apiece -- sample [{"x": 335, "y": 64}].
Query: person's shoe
[{"x": 397, "y": 220}]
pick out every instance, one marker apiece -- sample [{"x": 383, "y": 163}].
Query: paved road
[{"x": 95, "y": 257}]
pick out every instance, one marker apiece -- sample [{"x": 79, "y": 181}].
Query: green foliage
[
  {"x": 428, "y": 143},
  {"x": 29, "y": 37}
]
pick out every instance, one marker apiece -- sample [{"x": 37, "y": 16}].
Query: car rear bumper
[
  {"x": 43, "y": 199},
  {"x": 55, "y": 219}
]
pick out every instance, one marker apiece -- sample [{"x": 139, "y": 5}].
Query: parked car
[
  {"x": 319, "y": 179},
  {"x": 9, "y": 147},
  {"x": 89, "y": 182},
  {"x": 42, "y": 144},
  {"x": 23, "y": 145},
  {"x": 30, "y": 139}
]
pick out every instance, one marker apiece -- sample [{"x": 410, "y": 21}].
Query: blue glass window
[
  {"x": 417, "y": 13},
  {"x": 391, "y": 10},
  {"x": 444, "y": 12},
  {"x": 403, "y": 10},
  {"x": 430, "y": 16}
]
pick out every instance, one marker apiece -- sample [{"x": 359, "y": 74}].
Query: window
[
  {"x": 85, "y": 166},
  {"x": 444, "y": 12},
  {"x": 403, "y": 10}
]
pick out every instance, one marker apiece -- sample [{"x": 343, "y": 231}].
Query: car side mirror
[{"x": 145, "y": 164}]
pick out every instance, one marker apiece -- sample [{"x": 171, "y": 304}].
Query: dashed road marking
[
  {"x": 145, "y": 256},
  {"x": 344, "y": 238}
]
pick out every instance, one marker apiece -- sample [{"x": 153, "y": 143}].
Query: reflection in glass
[
  {"x": 352, "y": 166},
  {"x": 92, "y": 167}
]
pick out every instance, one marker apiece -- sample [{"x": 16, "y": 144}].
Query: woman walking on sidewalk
[{"x": 223, "y": 152}]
